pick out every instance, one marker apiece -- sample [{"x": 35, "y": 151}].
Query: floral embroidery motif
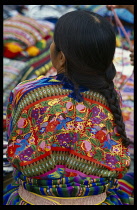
[{"x": 64, "y": 124}]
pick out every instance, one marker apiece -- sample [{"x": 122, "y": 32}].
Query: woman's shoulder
[{"x": 41, "y": 80}]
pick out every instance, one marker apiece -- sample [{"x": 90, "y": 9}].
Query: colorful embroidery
[{"x": 52, "y": 135}]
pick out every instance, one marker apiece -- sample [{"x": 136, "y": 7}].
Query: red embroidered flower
[
  {"x": 101, "y": 136},
  {"x": 11, "y": 149}
]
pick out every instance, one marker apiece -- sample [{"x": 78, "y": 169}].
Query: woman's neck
[{"x": 60, "y": 71}]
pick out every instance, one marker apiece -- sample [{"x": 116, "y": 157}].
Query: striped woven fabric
[
  {"x": 66, "y": 188},
  {"x": 26, "y": 36},
  {"x": 126, "y": 184}
]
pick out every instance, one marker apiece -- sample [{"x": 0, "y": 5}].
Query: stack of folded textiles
[
  {"x": 13, "y": 71},
  {"x": 24, "y": 35},
  {"x": 27, "y": 41},
  {"x": 26, "y": 55}
]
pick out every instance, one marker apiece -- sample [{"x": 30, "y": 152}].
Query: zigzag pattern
[{"x": 71, "y": 161}]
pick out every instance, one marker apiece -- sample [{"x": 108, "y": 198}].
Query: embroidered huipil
[{"x": 56, "y": 138}]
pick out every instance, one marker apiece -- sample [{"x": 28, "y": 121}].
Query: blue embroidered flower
[
  {"x": 93, "y": 130},
  {"x": 108, "y": 144},
  {"x": 42, "y": 130}
]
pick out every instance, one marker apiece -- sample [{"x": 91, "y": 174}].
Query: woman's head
[{"x": 84, "y": 43}]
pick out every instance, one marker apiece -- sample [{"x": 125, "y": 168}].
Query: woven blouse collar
[{"x": 68, "y": 84}]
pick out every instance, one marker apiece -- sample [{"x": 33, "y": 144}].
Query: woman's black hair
[{"x": 88, "y": 42}]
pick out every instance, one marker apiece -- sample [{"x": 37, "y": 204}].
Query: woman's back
[{"x": 70, "y": 138}]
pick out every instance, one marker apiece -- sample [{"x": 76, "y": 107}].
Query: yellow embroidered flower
[
  {"x": 110, "y": 116},
  {"x": 48, "y": 148},
  {"x": 37, "y": 106},
  {"x": 90, "y": 154},
  {"x": 19, "y": 131},
  {"x": 53, "y": 102},
  {"x": 70, "y": 126},
  {"x": 89, "y": 123},
  {"x": 36, "y": 128},
  {"x": 31, "y": 140},
  {"x": 13, "y": 138},
  {"x": 45, "y": 119},
  {"x": 101, "y": 125},
  {"x": 116, "y": 149},
  {"x": 79, "y": 126},
  {"x": 64, "y": 110}
]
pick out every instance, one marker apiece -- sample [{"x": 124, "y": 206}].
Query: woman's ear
[
  {"x": 60, "y": 62},
  {"x": 62, "y": 59}
]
